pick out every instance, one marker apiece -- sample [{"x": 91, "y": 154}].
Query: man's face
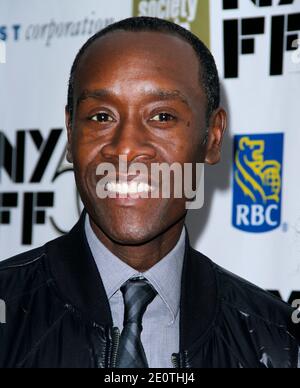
[{"x": 139, "y": 95}]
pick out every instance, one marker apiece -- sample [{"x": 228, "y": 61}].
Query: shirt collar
[{"x": 165, "y": 276}]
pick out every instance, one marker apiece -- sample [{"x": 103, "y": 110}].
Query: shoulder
[
  {"x": 250, "y": 299},
  {"x": 22, "y": 260},
  {"x": 24, "y": 272},
  {"x": 246, "y": 300}
]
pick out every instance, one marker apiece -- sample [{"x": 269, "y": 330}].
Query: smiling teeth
[{"x": 128, "y": 188}]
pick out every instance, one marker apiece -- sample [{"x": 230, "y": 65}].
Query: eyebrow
[{"x": 162, "y": 94}]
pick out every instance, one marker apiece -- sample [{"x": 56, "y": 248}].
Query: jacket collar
[
  {"x": 78, "y": 281},
  {"x": 199, "y": 299},
  {"x": 77, "y": 277}
]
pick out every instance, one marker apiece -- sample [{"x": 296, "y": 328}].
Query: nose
[{"x": 131, "y": 139}]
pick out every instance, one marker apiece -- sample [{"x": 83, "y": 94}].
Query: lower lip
[{"x": 127, "y": 200}]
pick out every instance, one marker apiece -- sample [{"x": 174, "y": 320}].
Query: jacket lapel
[
  {"x": 76, "y": 274},
  {"x": 198, "y": 298}
]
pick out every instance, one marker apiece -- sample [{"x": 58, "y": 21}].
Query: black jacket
[{"x": 58, "y": 314}]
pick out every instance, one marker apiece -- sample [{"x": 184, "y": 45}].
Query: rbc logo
[{"x": 257, "y": 182}]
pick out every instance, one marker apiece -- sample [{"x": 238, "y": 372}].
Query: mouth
[{"x": 128, "y": 188}]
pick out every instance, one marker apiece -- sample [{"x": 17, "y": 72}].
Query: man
[{"x": 124, "y": 289}]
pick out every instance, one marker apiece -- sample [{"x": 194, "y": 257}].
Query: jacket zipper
[
  {"x": 180, "y": 360},
  {"x": 186, "y": 364},
  {"x": 175, "y": 361},
  {"x": 115, "y": 346}
]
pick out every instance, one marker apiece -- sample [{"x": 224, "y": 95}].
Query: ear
[
  {"x": 217, "y": 127},
  {"x": 69, "y": 131}
]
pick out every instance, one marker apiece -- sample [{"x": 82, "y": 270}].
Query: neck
[{"x": 145, "y": 256}]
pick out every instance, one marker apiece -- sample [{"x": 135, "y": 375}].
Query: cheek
[
  {"x": 185, "y": 146},
  {"x": 183, "y": 152},
  {"x": 85, "y": 154},
  {"x": 195, "y": 149}
]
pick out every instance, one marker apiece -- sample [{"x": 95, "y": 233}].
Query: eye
[
  {"x": 163, "y": 117},
  {"x": 102, "y": 118}
]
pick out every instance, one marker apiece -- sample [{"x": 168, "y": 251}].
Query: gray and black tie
[{"x": 138, "y": 294}]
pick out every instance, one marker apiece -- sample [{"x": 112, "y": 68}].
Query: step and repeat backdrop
[{"x": 250, "y": 223}]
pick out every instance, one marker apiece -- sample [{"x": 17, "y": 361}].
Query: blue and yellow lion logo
[
  {"x": 257, "y": 185},
  {"x": 259, "y": 179}
]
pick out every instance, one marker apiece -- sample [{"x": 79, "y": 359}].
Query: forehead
[{"x": 126, "y": 59}]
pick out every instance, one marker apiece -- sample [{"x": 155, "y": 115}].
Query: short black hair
[{"x": 209, "y": 74}]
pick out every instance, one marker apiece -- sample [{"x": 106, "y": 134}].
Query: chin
[
  {"x": 127, "y": 232},
  {"x": 131, "y": 234}
]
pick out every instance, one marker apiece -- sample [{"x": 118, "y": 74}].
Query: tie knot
[{"x": 137, "y": 294}]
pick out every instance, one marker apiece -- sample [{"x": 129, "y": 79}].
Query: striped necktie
[{"x": 137, "y": 294}]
